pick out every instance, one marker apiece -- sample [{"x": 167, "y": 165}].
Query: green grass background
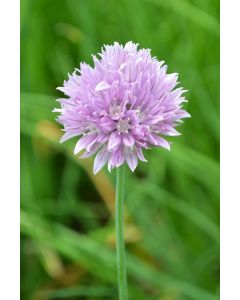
[{"x": 172, "y": 202}]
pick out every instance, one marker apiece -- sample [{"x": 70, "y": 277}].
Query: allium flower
[{"x": 124, "y": 104}]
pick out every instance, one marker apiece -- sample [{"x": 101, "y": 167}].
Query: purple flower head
[{"x": 124, "y": 104}]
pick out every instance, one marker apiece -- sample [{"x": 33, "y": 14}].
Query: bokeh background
[{"x": 172, "y": 202}]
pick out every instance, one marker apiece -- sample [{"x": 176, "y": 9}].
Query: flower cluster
[{"x": 124, "y": 104}]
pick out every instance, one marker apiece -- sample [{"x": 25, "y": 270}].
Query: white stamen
[
  {"x": 123, "y": 126},
  {"x": 115, "y": 111}
]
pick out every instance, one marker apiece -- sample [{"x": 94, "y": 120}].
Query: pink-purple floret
[{"x": 122, "y": 105}]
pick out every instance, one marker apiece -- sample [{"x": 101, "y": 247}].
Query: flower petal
[
  {"x": 89, "y": 153},
  {"x": 158, "y": 141},
  {"x": 169, "y": 130},
  {"x": 84, "y": 142},
  {"x": 103, "y": 85},
  {"x": 114, "y": 140},
  {"x": 132, "y": 161},
  {"x": 116, "y": 159},
  {"x": 183, "y": 114},
  {"x": 100, "y": 160},
  {"x": 128, "y": 139},
  {"x": 68, "y": 135},
  {"x": 107, "y": 124},
  {"x": 140, "y": 155}
]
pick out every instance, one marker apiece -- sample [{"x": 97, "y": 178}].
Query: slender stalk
[{"x": 121, "y": 265}]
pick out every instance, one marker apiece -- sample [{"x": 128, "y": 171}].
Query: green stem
[{"x": 121, "y": 265}]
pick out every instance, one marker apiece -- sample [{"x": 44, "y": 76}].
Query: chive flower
[{"x": 124, "y": 104}]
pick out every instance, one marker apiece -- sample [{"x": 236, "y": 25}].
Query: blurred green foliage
[{"x": 172, "y": 202}]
